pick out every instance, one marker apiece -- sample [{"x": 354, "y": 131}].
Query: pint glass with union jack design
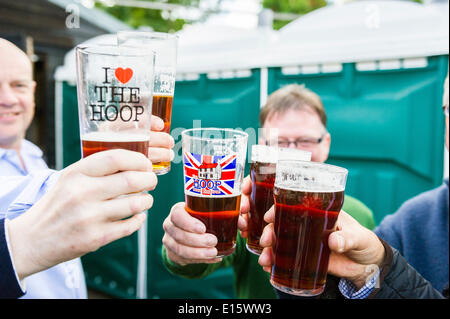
[{"x": 214, "y": 161}]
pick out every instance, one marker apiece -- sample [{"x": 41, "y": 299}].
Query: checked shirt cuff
[{"x": 349, "y": 290}]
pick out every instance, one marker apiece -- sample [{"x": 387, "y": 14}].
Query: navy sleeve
[
  {"x": 390, "y": 230},
  {"x": 9, "y": 287}
]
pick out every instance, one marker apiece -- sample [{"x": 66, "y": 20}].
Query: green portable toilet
[{"x": 379, "y": 67}]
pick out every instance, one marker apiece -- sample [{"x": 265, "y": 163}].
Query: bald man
[{"x": 21, "y": 157}]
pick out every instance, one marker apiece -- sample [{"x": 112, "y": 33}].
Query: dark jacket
[
  {"x": 9, "y": 287},
  {"x": 397, "y": 280}
]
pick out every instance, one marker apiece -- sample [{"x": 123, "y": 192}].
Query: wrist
[
  {"x": 369, "y": 270},
  {"x": 19, "y": 243}
]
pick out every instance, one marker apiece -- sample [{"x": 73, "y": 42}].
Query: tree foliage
[
  {"x": 156, "y": 19},
  {"x": 162, "y": 22},
  {"x": 291, "y": 6},
  {"x": 295, "y": 6}
]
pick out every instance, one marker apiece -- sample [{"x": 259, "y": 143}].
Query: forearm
[{"x": 20, "y": 238}]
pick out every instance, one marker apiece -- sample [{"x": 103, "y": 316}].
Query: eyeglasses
[
  {"x": 300, "y": 142},
  {"x": 445, "y": 108}
]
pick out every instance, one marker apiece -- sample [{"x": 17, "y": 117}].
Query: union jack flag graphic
[{"x": 208, "y": 174}]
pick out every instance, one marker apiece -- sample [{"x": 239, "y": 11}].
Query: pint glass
[
  {"x": 308, "y": 198},
  {"x": 262, "y": 175},
  {"x": 114, "y": 86},
  {"x": 165, "y": 47},
  {"x": 214, "y": 161}
]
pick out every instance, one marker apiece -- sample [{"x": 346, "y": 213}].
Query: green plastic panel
[{"x": 386, "y": 127}]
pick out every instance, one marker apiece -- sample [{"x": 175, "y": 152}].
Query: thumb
[{"x": 341, "y": 241}]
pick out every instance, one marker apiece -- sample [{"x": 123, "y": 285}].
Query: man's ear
[{"x": 325, "y": 145}]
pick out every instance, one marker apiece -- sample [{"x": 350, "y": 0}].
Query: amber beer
[
  {"x": 308, "y": 198},
  {"x": 220, "y": 216},
  {"x": 262, "y": 176},
  {"x": 162, "y": 107},
  {"x": 214, "y": 162},
  {"x": 102, "y": 141},
  {"x": 303, "y": 222}
]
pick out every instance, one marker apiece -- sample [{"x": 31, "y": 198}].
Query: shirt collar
[{"x": 26, "y": 149}]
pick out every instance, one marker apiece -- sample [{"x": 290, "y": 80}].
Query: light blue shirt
[{"x": 19, "y": 189}]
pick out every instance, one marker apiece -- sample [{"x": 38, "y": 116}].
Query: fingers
[
  {"x": 158, "y": 155},
  {"x": 243, "y": 225},
  {"x": 341, "y": 241},
  {"x": 184, "y": 254},
  {"x": 245, "y": 204},
  {"x": 269, "y": 216},
  {"x": 185, "y": 261},
  {"x": 265, "y": 259},
  {"x": 267, "y": 238},
  {"x": 123, "y": 207},
  {"x": 110, "y": 162},
  {"x": 247, "y": 186},
  {"x": 186, "y": 239},
  {"x": 122, "y": 228},
  {"x": 180, "y": 218},
  {"x": 125, "y": 183},
  {"x": 161, "y": 139},
  {"x": 245, "y": 207},
  {"x": 345, "y": 238},
  {"x": 156, "y": 123}
]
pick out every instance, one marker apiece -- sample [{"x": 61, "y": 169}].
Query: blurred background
[{"x": 378, "y": 66}]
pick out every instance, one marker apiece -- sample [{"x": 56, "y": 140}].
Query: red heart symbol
[{"x": 123, "y": 75}]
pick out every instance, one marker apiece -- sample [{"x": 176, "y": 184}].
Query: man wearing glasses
[
  {"x": 294, "y": 117},
  {"x": 413, "y": 259}
]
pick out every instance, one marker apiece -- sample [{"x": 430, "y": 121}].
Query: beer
[
  {"x": 162, "y": 107},
  {"x": 263, "y": 178},
  {"x": 102, "y": 141},
  {"x": 220, "y": 216},
  {"x": 303, "y": 222},
  {"x": 262, "y": 175},
  {"x": 212, "y": 175}
]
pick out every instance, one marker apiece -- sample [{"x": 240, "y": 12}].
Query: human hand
[
  {"x": 352, "y": 249},
  {"x": 161, "y": 144},
  {"x": 245, "y": 206},
  {"x": 186, "y": 240},
  {"x": 83, "y": 211}
]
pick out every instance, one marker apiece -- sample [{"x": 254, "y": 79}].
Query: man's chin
[{"x": 8, "y": 140}]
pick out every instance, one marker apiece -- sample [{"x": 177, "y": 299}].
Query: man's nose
[{"x": 7, "y": 96}]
